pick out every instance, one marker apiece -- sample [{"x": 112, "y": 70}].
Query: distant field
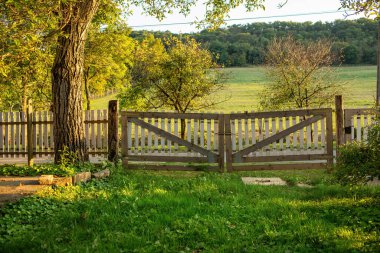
[{"x": 245, "y": 84}]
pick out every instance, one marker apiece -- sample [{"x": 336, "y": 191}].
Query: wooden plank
[
  {"x": 308, "y": 137},
  {"x": 1, "y": 132},
  {"x": 287, "y": 122},
  {"x": 46, "y": 146},
  {"x": 302, "y": 135},
  {"x": 233, "y": 135},
  {"x": 150, "y": 146},
  {"x": 329, "y": 139},
  {"x": 167, "y": 158},
  {"x": 228, "y": 141},
  {"x": 365, "y": 129},
  {"x": 6, "y": 141},
  {"x": 112, "y": 130},
  {"x": 202, "y": 133},
  {"x": 358, "y": 128},
  {"x": 302, "y": 166},
  {"x": 106, "y": 144},
  {"x": 188, "y": 123},
  {"x": 40, "y": 132},
  {"x": 253, "y": 131},
  {"x": 124, "y": 139},
  {"x": 216, "y": 132},
  {"x": 208, "y": 122},
  {"x": 162, "y": 137},
  {"x": 18, "y": 143},
  {"x": 23, "y": 133},
  {"x": 347, "y": 125},
  {"x": 92, "y": 127},
  {"x": 12, "y": 134},
  {"x": 246, "y": 133},
  {"x": 170, "y": 131},
  {"x": 176, "y": 133},
  {"x": 51, "y": 141},
  {"x": 339, "y": 120},
  {"x": 315, "y": 135},
  {"x": 274, "y": 127},
  {"x": 323, "y": 133},
  {"x": 172, "y": 167},
  {"x": 191, "y": 146},
  {"x": 295, "y": 139},
  {"x": 281, "y": 158},
  {"x": 99, "y": 131},
  {"x": 170, "y": 115},
  {"x": 196, "y": 131},
  {"x": 86, "y": 129},
  {"x": 30, "y": 132},
  {"x": 240, "y": 135},
  {"x": 278, "y": 136},
  {"x": 271, "y": 114},
  {"x": 280, "y": 123},
  {"x": 129, "y": 133},
  {"x": 221, "y": 137},
  {"x": 136, "y": 138}
]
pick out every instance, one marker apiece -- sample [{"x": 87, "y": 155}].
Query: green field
[
  {"x": 195, "y": 212},
  {"x": 244, "y": 85}
]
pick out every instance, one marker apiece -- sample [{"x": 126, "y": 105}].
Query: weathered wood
[
  {"x": 113, "y": 135},
  {"x": 221, "y": 141},
  {"x": 278, "y": 136},
  {"x": 173, "y": 167},
  {"x": 168, "y": 158},
  {"x": 228, "y": 141},
  {"x": 29, "y": 130},
  {"x": 292, "y": 113},
  {"x": 339, "y": 121},
  {"x": 329, "y": 138},
  {"x": 212, "y": 156},
  {"x": 302, "y": 166},
  {"x": 125, "y": 135},
  {"x": 281, "y": 158},
  {"x": 170, "y": 115}
]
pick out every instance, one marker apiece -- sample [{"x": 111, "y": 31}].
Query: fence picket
[
  {"x": 240, "y": 137},
  {"x": 149, "y": 149},
  {"x": 315, "y": 135},
  {"x": 359, "y": 128},
  {"x": 2, "y": 127}
]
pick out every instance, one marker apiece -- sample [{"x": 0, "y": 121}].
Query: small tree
[
  {"x": 182, "y": 77},
  {"x": 301, "y": 74}
]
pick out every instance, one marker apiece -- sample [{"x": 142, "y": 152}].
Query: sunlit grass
[
  {"x": 245, "y": 84},
  {"x": 209, "y": 212}
]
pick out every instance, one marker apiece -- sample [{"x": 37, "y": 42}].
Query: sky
[{"x": 139, "y": 21}]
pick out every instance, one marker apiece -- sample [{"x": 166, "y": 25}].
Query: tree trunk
[
  {"x": 183, "y": 128},
  {"x": 67, "y": 74}
]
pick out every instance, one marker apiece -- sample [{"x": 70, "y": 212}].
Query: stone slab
[{"x": 263, "y": 181}]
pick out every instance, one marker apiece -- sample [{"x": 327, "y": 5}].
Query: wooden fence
[
  {"x": 23, "y": 134},
  {"x": 296, "y": 139}
]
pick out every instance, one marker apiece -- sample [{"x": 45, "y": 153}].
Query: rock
[
  {"x": 263, "y": 181},
  {"x": 63, "y": 181},
  {"x": 46, "y": 179},
  {"x": 101, "y": 174},
  {"x": 81, "y": 177}
]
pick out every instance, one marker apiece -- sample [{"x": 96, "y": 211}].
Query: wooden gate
[
  {"x": 278, "y": 140},
  {"x": 159, "y": 138}
]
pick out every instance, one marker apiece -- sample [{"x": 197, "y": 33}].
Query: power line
[{"x": 251, "y": 18}]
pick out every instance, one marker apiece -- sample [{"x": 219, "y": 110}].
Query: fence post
[
  {"x": 113, "y": 125},
  {"x": 221, "y": 141},
  {"x": 339, "y": 122},
  {"x": 227, "y": 134},
  {"x": 29, "y": 132}
]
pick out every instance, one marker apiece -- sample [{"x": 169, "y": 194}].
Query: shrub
[{"x": 359, "y": 162}]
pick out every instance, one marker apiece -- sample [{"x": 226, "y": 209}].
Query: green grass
[
  {"x": 245, "y": 85},
  {"x": 195, "y": 212}
]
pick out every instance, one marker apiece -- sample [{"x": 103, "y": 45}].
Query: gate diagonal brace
[
  {"x": 212, "y": 157},
  {"x": 238, "y": 155}
]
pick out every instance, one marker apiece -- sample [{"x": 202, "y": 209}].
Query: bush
[{"x": 359, "y": 162}]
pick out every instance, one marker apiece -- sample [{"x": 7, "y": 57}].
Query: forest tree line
[{"x": 241, "y": 45}]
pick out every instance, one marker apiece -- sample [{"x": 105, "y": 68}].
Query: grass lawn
[
  {"x": 359, "y": 88},
  {"x": 195, "y": 212}
]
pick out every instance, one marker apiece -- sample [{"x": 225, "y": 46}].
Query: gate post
[
  {"x": 221, "y": 141},
  {"x": 113, "y": 136},
  {"x": 339, "y": 122},
  {"x": 227, "y": 134}
]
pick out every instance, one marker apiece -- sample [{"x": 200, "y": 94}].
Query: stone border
[{"x": 81, "y": 177}]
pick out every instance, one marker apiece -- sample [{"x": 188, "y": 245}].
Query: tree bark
[
  {"x": 67, "y": 74},
  {"x": 86, "y": 91}
]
